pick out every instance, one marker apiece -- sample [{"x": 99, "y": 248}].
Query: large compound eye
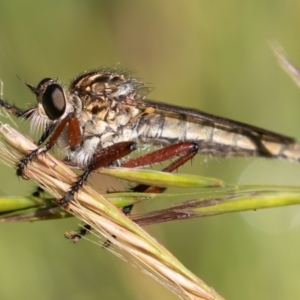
[{"x": 54, "y": 101}]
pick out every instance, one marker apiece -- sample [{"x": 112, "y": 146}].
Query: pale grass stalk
[
  {"x": 285, "y": 63},
  {"x": 136, "y": 245}
]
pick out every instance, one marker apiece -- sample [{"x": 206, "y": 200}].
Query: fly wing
[{"x": 223, "y": 123}]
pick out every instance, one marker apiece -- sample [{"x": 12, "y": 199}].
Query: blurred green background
[{"x": 213, "y": 55}]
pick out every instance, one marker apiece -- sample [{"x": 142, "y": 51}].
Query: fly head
[{"x": 51, "y": 98}]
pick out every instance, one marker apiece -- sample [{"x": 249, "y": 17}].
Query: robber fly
[{"x": 104, "y": 115}]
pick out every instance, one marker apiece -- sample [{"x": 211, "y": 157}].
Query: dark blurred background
[{"x": 212, "y": 55}]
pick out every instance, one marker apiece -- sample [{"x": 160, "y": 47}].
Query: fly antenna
[{"x": 32, "y": 88}]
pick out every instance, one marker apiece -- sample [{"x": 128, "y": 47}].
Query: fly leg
[
  {"x": 74, "y": 135},
  {"x": 185, "y": 150},
  {"x": 18, "y": 112},
  {"x": 102, "y": 158}
]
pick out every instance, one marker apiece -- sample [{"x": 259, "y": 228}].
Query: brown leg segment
[
  {"x": 102, "y": 158},
  {"x": 21, "y": 165},
  {"x": 186, "y": 151}
]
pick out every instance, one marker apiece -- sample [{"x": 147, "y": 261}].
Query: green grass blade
[{"x": 162, "y": 179}]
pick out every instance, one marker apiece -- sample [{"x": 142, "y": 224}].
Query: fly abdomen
[
  {"x": 285, "y": 151},
  {"x": 221, "y": 141}
]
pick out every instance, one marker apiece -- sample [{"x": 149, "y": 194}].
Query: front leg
[
  {"x": 74, "y": 136},
  {"x": 18, "y": 112}
]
